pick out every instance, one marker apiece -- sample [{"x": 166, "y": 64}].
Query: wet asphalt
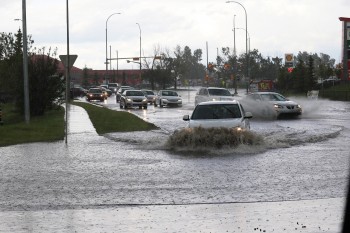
[{"x": 114, "y": 183}]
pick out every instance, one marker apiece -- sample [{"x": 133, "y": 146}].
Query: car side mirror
[
  {"x": 248, "y": 115},
  {"x": 186, "y": 118}
]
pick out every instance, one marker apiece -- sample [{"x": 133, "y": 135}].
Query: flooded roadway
[{"x": 296, "y": 180}]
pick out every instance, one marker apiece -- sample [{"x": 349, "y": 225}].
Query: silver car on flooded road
[
  {"x": 212, "y": 94},
  {"x": 227, "y": 114},
  {"x": 167, "y": 98},
  {"x": 271, "y": 104}
]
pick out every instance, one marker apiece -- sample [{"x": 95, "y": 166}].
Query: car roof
[
  {"x": 264, "y": 92},
  {"x": 215, "y": 88},
  {"x": 219, "y": 102},
  {"x": 127, "y": 90}
]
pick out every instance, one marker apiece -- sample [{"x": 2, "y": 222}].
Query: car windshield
[
  {"x": 134, "y": 93},
  {"x": 221, "y": 92},
  {"x": 169, "y": 93},
  {"x": 95, "y": 90},
  {"x": 149, "y": 92},
  {"x": 273, "y": 97},
  {"x": 216, "y": 111}
]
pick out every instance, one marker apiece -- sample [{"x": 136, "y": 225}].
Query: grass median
[
  {"x": 107, "y": 121},
  {"x": 50, "y": 126}
]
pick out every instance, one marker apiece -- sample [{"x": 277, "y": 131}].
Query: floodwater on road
[{"x": 295, "y": 180}]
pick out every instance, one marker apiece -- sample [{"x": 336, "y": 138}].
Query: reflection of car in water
[
  {"x": 271, "y": 104},
  {"x": 227, "y": 114}
]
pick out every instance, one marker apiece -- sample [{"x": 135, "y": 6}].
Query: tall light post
[
  {"x": 246, "y": 34},
  {"x": 107, "y": 45},
  {"x": 234, "y": 36},
  {"x": 140, "y": 53},
  {"x": 25, "y": 63}
]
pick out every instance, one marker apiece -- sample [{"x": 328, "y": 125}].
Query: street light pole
[
  {"x": 246, "y": 33},
  {"x": 234, "y": 36},
  {"x": 25, "y": 63},
  {"x": 107, "y": 45},
  {"x": 140, "y": 54}
]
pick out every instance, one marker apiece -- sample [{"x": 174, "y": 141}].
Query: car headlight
[
  {"x": 128, "y": 99},
  {"x": 298, "y": 106},
  {"x": 278, "y": 106},
  {"x": 144, "y": 100}
]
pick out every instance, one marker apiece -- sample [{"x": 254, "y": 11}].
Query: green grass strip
[
  {"x": 107, "y": 121},
  {"x": 46, "y": 128}
]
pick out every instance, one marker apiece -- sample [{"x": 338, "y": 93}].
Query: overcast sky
[{"x": 275, "y": 27}]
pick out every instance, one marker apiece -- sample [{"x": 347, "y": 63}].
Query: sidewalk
[{"x": 79, "y": 121}]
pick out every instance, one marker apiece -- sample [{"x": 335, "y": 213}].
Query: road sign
[
  {"x": 289, "y": 60},
  {"x": 72, "y": 59}
]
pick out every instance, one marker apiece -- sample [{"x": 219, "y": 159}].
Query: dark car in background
[
  {"x": 77, "y": 92},
  {"x": 95, "y": 94}
]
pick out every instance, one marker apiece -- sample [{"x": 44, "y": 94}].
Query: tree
[
  {"x": 45, "y": 84},
  {"x": 85, "y": 81}
]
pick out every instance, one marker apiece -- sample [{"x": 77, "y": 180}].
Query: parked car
[
  {"x": 133, "y": 98},
  {"x": 227, "y": 114},
  {"x": 205, "y": 94},
  {"x": 271, "y": 104},
  {"x": 95, "y": 94},
  {"x": 120, "y": 91},
  {"x": 167, "y": 98},
  {"x": 113, "y": 87},
  {"x": 150, "y": 96}
]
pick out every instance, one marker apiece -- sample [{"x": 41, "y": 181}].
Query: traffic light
[{"x": 290, "y": 69}]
